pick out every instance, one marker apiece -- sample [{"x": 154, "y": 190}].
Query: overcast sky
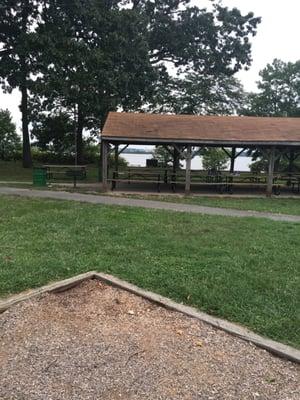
[
  {"x": 277, "y": 34},
  {"x": 277, "y": 37}
]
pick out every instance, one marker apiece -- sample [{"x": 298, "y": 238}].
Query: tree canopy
[
  {"x": 54, "y": 133},
  {"x": 17, "y": 63},
  {"x": 200, "y": 95}
]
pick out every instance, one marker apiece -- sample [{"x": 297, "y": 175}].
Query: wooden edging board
[
  {"x": 59, "y": 286},
  {"x": 273, "y": 347}
]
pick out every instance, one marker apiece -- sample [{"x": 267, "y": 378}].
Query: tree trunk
[
  {"x": 27, "y": 161},
  {"x": 79, "y": 131}
]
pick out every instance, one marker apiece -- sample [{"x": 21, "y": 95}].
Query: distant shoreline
[{"x": 137, "y": 151}]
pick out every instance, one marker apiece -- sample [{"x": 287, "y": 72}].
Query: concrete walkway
[{"x": 157, "y": 205}]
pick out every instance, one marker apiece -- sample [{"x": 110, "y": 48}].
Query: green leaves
[
  {"x": 54, "y": 133},
  {"x": 208, "y": 42},
  {"x": 17, "y": 21},
  {"x": 200, "y": 95},
  {"x": 214, "y": 159},
  {"x": 279, "y": 91}
]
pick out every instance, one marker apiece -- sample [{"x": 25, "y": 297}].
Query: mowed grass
[
  {"x": 13, "y": 171},
  {"x": 244, "y": 270},
  {"x": 277, "y": 205}
]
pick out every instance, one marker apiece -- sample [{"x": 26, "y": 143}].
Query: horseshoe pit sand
[{"x": 96, "y": 341}]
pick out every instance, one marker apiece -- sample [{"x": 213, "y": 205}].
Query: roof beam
[{"x": 200, "y": 143}]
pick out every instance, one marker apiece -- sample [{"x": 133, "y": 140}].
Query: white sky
[{"x": 277, "y": 37}]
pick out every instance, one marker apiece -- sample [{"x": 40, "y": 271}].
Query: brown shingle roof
[{"x": 156, "y": 128}]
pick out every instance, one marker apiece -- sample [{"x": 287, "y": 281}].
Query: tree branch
[
  {"x": 135, "y": 4},
  {"x": 5, "y": 51}
]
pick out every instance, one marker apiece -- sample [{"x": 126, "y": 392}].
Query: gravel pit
[{"x": 99, "y": 342}]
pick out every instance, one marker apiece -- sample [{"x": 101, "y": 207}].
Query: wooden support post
[
  {"x": 188, "y": 159},
  {"x": 180, "y": 150},
  {"x": 116, "y": 157},
  {"x": 104, "y": 155},
  {"x": 175, "y": 160},
  {"x": 232, "y": 159},
  {"x": 271, "y": 172},
  {"x": 100, "y": 164},
  {"x": 291, "y": 161}
]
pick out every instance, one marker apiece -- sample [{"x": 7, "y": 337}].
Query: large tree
[{"x": 17, "y": 21}]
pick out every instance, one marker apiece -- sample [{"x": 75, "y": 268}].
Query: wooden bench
[
  {"x": 63, "y": 172},
  {"x": 164, "y": 172},
  {"x": 199, "y": 178},
  {"x": 130, "y": 176},
  {"x": 225, "y": 182},
  {"x": 235, "y": 180}
]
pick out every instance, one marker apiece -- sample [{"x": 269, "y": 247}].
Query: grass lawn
[
  {"x": 245, "y": 270},
  {"x": 273, "y": 205},
  {"x": 13, "y": 171}
]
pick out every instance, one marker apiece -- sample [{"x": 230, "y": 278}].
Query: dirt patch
[{"x": 98, "y": 342}]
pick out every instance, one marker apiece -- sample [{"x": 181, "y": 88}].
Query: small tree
[
  {"x": 214, "y": 159},
  {"x": 9, "y": 140}
]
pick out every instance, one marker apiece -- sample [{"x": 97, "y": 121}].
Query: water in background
[{"x": 139, "y": 160}]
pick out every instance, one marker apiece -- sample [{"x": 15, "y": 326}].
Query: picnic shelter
[{"x": 183, "y": 135}]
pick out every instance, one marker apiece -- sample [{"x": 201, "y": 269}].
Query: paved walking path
[{"x": 158, "y": 205}]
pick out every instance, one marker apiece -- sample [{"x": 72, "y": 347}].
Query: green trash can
[{"x": 39, "y": 176}]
